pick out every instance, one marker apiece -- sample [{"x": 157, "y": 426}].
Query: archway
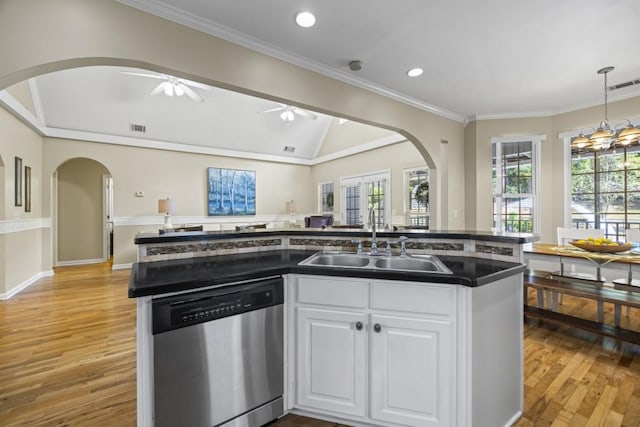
[{"x": 80, "y": 213}]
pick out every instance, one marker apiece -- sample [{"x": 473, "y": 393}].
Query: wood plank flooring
[{"x": 67, "y": 358}]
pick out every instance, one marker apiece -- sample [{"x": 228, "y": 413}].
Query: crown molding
[
  {"x": 13, "y": 106},
  {"x": 197, "y": 23},
  {"x": 37, "y": 101}
]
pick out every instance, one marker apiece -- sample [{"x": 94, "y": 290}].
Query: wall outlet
[{"x": 139, "y": 194}]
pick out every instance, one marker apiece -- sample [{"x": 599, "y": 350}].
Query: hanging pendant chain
[{"x": 606, "y": 93}]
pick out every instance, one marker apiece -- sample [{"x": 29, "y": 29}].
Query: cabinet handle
[
  {"x": 359, "y": 326},
  {"x": 377, "y": 328}
]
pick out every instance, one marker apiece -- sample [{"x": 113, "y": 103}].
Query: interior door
[{"x": 107, "y": 219}]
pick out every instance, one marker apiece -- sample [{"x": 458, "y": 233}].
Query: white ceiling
[
  {"x": 103, "y": 100},
  {"x": 481, "y": 58}
]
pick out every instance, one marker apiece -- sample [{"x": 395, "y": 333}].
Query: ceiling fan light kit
[
  {"x": 171, "y": 85},
  {"x": 605, "y": 137}
]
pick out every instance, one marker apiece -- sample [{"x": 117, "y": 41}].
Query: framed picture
[
  {"x": 231, "y": 192},
  {"x": 27, "y": 189},
  {"x": 18, "y": 182}
]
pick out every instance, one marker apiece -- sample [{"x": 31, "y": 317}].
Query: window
[
  {"x": 417, "y": 197},
  {"x": 514, "y": 168},
  {"x": 363, "y": 194},
  {"x": 325, "y": 197},
  {"x": 605, "y": 190}
]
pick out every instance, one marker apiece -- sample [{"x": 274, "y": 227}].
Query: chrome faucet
[{"x": 374, "y": 240}]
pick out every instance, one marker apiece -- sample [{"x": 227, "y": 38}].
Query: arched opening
[{"x": 81, "y": 212}]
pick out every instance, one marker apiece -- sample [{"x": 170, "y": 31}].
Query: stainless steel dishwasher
[{"x": 218, "y": 356}]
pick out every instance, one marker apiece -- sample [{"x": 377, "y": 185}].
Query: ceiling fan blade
[
  {"x": 153, "y": 76},
  {"x": 159, "y": 88},
  {"x": 194, "y": 84},
  {"x": 305, "y": 113},
  {"x": 190, "y": 93},
  {"x": 273, "y": 109}
]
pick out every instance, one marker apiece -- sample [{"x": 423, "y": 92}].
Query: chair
[
  {"x": 565, "y": 235},
  {"x": 318, "y": 221}
]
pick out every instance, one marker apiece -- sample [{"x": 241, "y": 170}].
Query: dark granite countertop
[
  {"x": 145, "y": 238},
  {"x": 160, "y": 277}
]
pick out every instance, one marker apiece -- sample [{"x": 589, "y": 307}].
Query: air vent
[
  {"x": 625, "y": 84},
  {"x": 137, "y": 128},
  {"x": 289, "y": 149}
]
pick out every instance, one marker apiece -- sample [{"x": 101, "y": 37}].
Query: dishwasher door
[{"x": 211, "y": 373}]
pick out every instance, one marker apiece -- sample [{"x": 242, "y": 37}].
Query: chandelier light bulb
[{"x": 168, "y": 89}]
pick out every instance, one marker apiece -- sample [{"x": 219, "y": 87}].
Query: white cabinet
[
  {"x": 411, "y": 367},
  {"x": 374, "y": 362},
  {"x": 331, "y": 360}
]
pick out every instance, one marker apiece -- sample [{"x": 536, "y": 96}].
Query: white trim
[
  {"x": 518, "y": 138},
  {"x": 37, "y": 101},
  {"x": 24, "y": 224},
  {"x": 123, "y": 221},
  {"x": 192, "y": 21},
  {"x": 24, "y": 285},
  {"x": 500, "y": 116},
  {"x": 530, "y": 114},
  {"x": 122, "y": 266},
  {"x": 169, "y": 146},
  {"x": 566, "y": 181},
  {"x": 14, "y": 106},
  {"x": 79, "y": 262}
]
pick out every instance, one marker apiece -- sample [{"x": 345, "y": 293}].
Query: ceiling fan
[
  {"x": 171, "y": 85},
  {"x": 288, "y": 112}
]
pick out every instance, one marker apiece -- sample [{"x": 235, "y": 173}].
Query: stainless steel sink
[
  {"x": 431, "y": 264},
  {"x": 422, "y": 263},
  {"x": 337, "y": 260}
]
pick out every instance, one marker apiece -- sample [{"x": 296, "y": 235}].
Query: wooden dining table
[{"x": 627, "y": 262}]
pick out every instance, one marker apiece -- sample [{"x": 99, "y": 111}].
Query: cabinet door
[
  {"x": 332, "y": 366},
  {"x": 411, "y": 371}
]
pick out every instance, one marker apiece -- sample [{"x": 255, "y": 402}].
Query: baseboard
[
  {"x": 80, "y": 262},
  {"x": 121, "y": 266},
  {"x": 24, "y": 285},
  {"x": 513, "y": 420}
]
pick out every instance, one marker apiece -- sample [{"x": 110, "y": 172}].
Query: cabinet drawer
[
  {"x": 332, "y": 291},
  {"x": 417, "y": 298}
]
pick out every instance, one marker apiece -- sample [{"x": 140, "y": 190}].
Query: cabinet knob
[
  {"x": 359, "y": 326},
  {"x": 377, "y": 328}
]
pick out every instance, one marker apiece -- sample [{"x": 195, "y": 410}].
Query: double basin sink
[{"x": 414, "y": 263}]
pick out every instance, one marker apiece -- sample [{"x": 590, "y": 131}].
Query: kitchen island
[{"x": 364, "y": 346}]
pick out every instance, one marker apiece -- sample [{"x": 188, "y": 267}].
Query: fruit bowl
[{"x": 603, "y": 248}]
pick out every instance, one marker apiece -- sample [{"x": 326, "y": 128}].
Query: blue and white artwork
[{"x": 231, "y": 192}]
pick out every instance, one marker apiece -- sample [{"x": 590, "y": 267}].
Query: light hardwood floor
[{"x": 67, "y": 358}]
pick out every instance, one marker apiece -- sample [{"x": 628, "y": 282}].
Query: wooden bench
[{"x": 545, "y": 281}]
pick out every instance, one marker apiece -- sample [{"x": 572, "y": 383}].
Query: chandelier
[{"x": 624, "y": 133}]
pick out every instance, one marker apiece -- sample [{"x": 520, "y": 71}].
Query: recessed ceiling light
[
  {"x": 305, "y": 19},
  {"x": 415, "y": 72}
]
